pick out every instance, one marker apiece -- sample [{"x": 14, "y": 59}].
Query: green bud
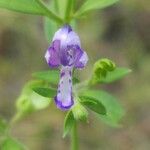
[
  {"x": 24, "y": 104},
  {"x": 101, "y": 68},
  {"x": 79, "y": 112},
  {"x": 29, "y": 101}
]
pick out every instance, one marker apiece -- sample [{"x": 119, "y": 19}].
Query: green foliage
[
  {"x": 51, "y": 76},
  {"x": 105, "y": 71},
  {"x": 11, "y": 144},
  {"x": 101, "y": 68},
  {"x": 69, "y": 10},
  {"x": 94, "y": 4},
  {"x": 46, "y": 92},
  {"x": 3, "y": 126},
  {"x": 114, "y": 75},
  {"x": 68, "y": 123},
  {"x": 30, "y": 101},
  {"x": 114, "y": 112},
  {"x": 25, "y": 6},
  {"x": 50, "y": 28},
  {"x": 61, "y": 5},
  {"x": 35, "y": 7},
  {"x": 79, "y": 112},
  {"x": 93, "y": 104}
]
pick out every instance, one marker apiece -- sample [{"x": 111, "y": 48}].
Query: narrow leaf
[
  {"x": 50, "y": 27},
  {"x": 114, "y": 75},
  {"x": 68, "y": 123},
  {"x": 46, "y": 92},
  {"x": 35, "y": 7},
  {"x": 94, "y": 4},
  {"x": 49, "y": 76},
  {"x": 62, "y": 4},
  {"x": 25, "y": 6},
  {"x": 114, "y": 111}
]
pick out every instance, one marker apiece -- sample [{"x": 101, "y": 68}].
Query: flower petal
[
  {"x": 62, "y": 33},
  {"x": 81, "y": 60},
  {"x": 67, "y": 37},
  {"x": 73, "y": 39},
  {"x": 64, "y": 98},
  {"x": 52, "y": 55}
]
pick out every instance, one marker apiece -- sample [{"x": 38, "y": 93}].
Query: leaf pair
[{"x": 103, "y": 104}]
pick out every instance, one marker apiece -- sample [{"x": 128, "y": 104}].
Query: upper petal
[
  {"x": 67, "y": 37},
  {"x": 73, "y": 39},
  {"x": 62, "y": 33}
]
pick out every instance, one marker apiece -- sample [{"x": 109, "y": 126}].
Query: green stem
[
  {"x": 74, "y": 138},
  {"x": 56, "y": 6},
  {"x": 49, "y": 13},
  {"x": 15, "y": 118},
  {"x": 69, "y": 10}
]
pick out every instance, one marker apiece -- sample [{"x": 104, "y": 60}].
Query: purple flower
[{"x": 65, "y": 51}]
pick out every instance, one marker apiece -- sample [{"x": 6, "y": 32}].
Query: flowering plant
[{"x": 65, "y": 54}]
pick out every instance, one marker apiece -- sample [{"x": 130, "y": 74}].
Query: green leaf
[
  {"x": 93, "y": 104},
  {"x": 46, "y": 92},
  {"x": 114, "y": 75},
  {"x": 35, "y": 7},
  {"x": 39, "y": 102},
  {"x": 25, "y": 6},
  {"x": 114, "y": 111},
  {"x": 49, "y": 76},
  {"x": 94, "y": 4},
  {"x": 29, "y": 101},
  {"x": 68, "y": 123},
  {"x": 3, "y": 126},
  {"x": 50, "y": 27},
  {"x": 12, "y": 144},
  {"x": 62, "y": 4}
]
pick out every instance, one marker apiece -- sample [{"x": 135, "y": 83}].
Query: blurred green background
[{"x": 121, "y": 33}]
